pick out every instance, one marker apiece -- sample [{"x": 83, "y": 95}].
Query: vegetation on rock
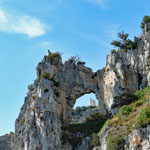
[
  {"x": 94, "y": 142},
  {"x": 125, "y": 98},
  {"x": 143, "y": 118},
  {"x": 146, "y": 19},
  {"x": 52, "y": 56},
  {"x": 91, "y": 126},
  {"x": 115, "y": 142},
  {"x": 80, "y": 109},
  {"x": 129, "y": 117},
  {"x": 124, "y": 42},
  {"x": 45, "y": 75}
]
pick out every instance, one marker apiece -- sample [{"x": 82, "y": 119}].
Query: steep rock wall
[{"x": 51, "y": 97}]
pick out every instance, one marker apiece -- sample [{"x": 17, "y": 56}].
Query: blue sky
[{"x": 74, "y": 27}]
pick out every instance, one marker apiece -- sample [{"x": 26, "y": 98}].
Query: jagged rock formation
[
  {"x": 49, "y": 102},
  {"x": 6, "y": 142},
  {"x": 129, "y": 129}
]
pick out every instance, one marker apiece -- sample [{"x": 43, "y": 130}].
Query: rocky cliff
[
  {"x": 49, "y": 102},
  {"x": 6, "y": 141}
]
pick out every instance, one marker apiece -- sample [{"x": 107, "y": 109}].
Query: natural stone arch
[
  {"x": 50, "y": 100},
  {"x": 74, "y": 80}
]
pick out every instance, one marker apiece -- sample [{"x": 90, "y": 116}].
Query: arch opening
[
  {"x": 85, "y": 100},
  {"x": 84, "y": 107}
]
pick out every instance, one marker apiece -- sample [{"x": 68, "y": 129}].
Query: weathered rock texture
[
  {"x": 6, "y": 142},
  {"x": 134, "y": 73},
  {"x": 51, "y": 97}
]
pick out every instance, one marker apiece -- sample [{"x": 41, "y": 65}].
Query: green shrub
[
  {"x": 143, "y": 119},
  {"x": 92, "y": 125},
  {"x": 113, "y": 51},
  {"x": 138, "y": 103},
  {"x": 11, "y": 133},
  {"x": 52, "y": 56},
  {"x": 124, "y": 43},
  {"x": 95, "y": 140},
  {"x": 132, "y": 45},
  {"x": 125, "y": 110},
  {"x": 123, "y": 35},
  {"x": 141, "y": 93},
  {"x": 116, "y": 43},
  {"x": 115, "y": 142},
  {"x": 45, "y": 75},
  {"x": 146, "y": 20},
  {"x": 125, "y": 98}
]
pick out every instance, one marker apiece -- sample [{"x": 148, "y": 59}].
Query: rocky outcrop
[
  {"x": 49, "y": 102},
  {"x": 139, "y": 139},
  {"x": 80, "y": 115},
  {"x": 6, "y": 142},
  {"x": 38, "y": 126}
]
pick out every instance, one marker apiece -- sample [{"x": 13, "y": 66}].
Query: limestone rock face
[
  {"x": 139, "y": 139},
  {"x": 38, "y": 126},
  {"x": 6, "y": 142},
  {"x": 49, "y": 102}
]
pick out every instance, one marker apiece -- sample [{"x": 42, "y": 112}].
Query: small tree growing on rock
[
  {"x": 124, "y": 42},
  {"x": 146, "y": 20}
]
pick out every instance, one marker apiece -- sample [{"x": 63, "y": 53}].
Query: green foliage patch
[
  {"x": 52, "y": 56},
  {"x": 123, "y": 42},
  {"x": 135, "y": 115},
  {"x": 145, "y": 20},
  {"x": 95, "y": 141},
  {"x": 92, "y": 125},
  {"x": 143, "y": 119},
  {"x": 125, "y": 110},
  {"x": 115, "y": 142},
  {"x": 45, "y": 75}
]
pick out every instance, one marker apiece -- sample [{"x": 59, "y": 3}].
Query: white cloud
[
  {"x": 45, "y": 43},
  {"x": 21, "y": 24},
  {"x": 101, "y": 3},
  {"x": 2, "y": 17}
]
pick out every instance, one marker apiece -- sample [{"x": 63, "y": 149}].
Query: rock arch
[
  {"x": 51, "y": 97},
  {"x": 74, "y": 80}
]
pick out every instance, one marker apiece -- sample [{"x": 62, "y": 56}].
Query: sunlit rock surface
[{"x": 50, "y": 99}]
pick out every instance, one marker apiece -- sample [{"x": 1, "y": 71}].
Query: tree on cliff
[
  {"x": 146, "y": 20},
  {"x": 124, "y": 42}
]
